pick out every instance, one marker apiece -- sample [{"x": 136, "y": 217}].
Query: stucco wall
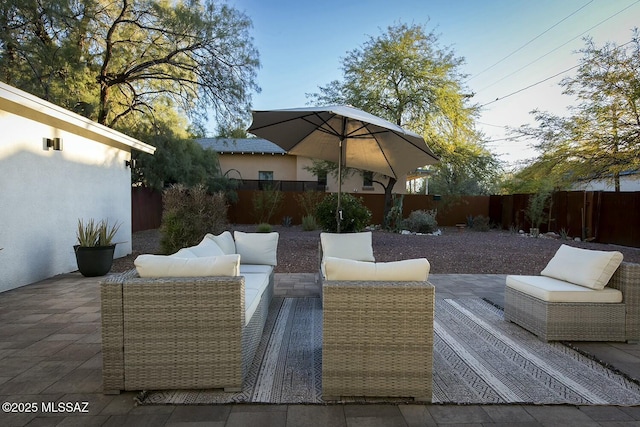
[
  {"x": 283, "y": 167},
  {"x": 44, "y": 192},
  {"x": 627, "y": 183},
  {"x": 292, "y": 168}
]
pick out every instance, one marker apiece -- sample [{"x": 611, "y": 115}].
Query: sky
[{"x": 507, "y": 46}]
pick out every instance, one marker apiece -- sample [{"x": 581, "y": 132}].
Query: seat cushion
[
  {"x": 171, "y": 266},
  {"x": 254, "y": 286},
  {"x": 257, "y": 248},
  {"x": 583, "y": 267},
  {"x": 255, "y": 268},
  {"x": 395, "y": 271},
  {"x": 356, "y": 246},
  {"x": 258, "y": 281},
  {"x": 251, "y": 302},
  {"x": 553, "y": 290}
]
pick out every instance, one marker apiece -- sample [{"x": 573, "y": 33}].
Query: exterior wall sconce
[
  {"x": 55, "y": 143},
  {"x": 131, "y": 163}
]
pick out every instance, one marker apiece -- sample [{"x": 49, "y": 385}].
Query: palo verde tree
[
  {"x": 600, "y": 138},
  {"x": 112, "y": 60},
  {"x": 404, "y": 76}
]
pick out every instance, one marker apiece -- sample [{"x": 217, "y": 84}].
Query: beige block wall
[
  {"x": 292, "y": 168},
  {"x": 248, "y": 165}
]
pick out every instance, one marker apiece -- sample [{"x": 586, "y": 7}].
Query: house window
[
  {"x": 322, "y": 180},
  {"x": 367, "y": 180},
  {"x": 265, "y": 175},
  {"x": 265, "y": 179}
]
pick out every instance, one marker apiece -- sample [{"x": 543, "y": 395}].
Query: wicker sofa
[
  {"x": 558, "y": 309},
  {"x": 195, "y": 332},
  {"x": 377, "y": 337}
]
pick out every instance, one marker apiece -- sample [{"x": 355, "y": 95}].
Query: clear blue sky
[{"x": 301, "y": 44}]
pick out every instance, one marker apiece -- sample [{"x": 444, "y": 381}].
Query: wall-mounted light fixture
[
  {"x": 55, "y": 143},
  {"x": 131, "y": 163}
]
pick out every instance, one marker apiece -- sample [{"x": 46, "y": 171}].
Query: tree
[
  {"x": 406, "y": 78},
  {"x": 601, "y": 137},
  {"x": 178, "y": 158},
  {"x": 139, "y": 66},
  {"x": 112, "y": 60}
]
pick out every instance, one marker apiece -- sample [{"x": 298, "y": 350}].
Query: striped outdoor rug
[{"x": 478, "y": 359}]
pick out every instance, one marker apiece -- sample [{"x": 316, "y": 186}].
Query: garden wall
[{"x": 605, "y": 217}]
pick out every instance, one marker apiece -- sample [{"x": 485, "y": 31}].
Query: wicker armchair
[
  {"x": 555, "y": 321},
  {"x": 377, "y": 339},
  {"x": 177, "y": 333}
]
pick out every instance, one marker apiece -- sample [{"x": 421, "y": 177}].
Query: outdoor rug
[{"x": 478, "y": 359}]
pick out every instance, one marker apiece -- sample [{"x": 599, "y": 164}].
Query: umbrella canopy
[
  {"x": 346, "y": 136},
  {"x": 368, "y": 142}
]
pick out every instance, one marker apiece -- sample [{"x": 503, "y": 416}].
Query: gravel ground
[{"x": 463, "y": 252}]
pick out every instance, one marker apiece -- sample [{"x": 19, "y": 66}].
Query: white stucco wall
[
  {"x": 44, "y": 192},
  {"x": 630, "y": 182}
]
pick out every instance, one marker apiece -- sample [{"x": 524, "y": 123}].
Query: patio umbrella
[{"x": 346, "y": 136}]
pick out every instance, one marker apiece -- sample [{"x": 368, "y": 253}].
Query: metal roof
[{"x": 241, "y": 145}]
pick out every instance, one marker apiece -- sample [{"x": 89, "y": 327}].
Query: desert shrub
[
  {"x": 355, "y": 215},
  {"x": 481, "y": 223},
  {"x": 394, "y": 220},
  {"x": 190, "y": 213},
  {"x": 266, "y": 204},
  {"x": 421, "y": 221},
  {"x": 536, "y": 206},
  {"x": 287, "y": 221},
  {"x": 309, "y": 223},
  {"x": 264, "y": 228},
  {"x": 309, "y": 201}
]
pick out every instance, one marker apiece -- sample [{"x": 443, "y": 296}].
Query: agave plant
[{"x": 94, "y": 233}]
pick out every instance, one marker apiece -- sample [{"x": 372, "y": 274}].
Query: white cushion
[
  {"x": 257, "y": 248},
  {"x": 184, "y": 253},
  {"x": 207, "y": 247},
  {"x": 254, "y": 286},
  {"x": 251, "y": 302},
  {"x": 356, "y": 246},
  {"x": 256, "y": 281},
  {"x": 254, "y": 268},
  {"x": 224, "y": 241},
  {"x": 397, "y": 271},
  {"x": 554, "y": 290},
  {"x": 583, "y": 267},
  {"x": 170, "y": 266}
]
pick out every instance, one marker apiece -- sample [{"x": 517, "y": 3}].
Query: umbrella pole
[{"x": 339, "y": 209}]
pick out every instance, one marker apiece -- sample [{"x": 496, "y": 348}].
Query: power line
[
  {"x": 530, "y": 41},
  {"x": 544, "y": 80},
  {"x": 529, "y": 87},
  {"x": 553, "y": 50},
  {"x": 489, "y": 124}
]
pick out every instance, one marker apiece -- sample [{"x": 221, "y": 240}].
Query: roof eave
[{"x": 24, "y": 104}]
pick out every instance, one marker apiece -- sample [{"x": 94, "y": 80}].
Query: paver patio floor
[{"x": 50, "y": 352}]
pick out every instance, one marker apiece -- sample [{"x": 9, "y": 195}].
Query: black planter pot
[{"x": 94, "y": 261}]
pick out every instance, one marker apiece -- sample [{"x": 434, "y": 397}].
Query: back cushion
[
  {"x": 224, "y": 241},
  {"x": 257, "y": 248},
  {"x": 410, "y": 270},
  {"x": 584, "y": 267},
  {"x": 171, "y": 266},
  {"x": 207, "y": 247},
  {"x": 356, "y": 246}
]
